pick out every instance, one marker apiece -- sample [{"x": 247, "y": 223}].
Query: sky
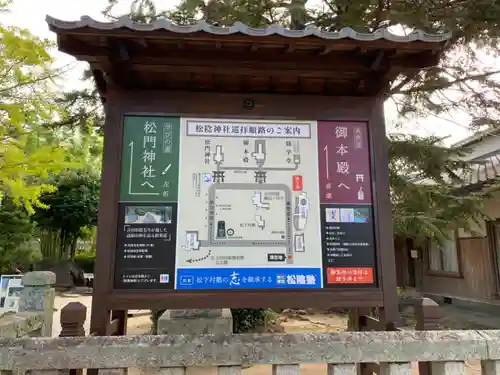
[{"x": 31, "y": 14}]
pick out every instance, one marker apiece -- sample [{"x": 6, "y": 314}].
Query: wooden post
[
  {"x": 429, "y": 315},
  {"x": 73, "y": 317},
  {"x": 429, "y": 318}
]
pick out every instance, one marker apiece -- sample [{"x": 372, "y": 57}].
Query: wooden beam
[
  {"x": 325, "y": 50},
  {"x": 379, "y": 82},
  {"x": 377, "y": 62},
  {"x": 205, "y": 86},
  {"x": 122, "y": 52},
  {"x": 243, "y": 71},
  {"x": 332, "y": 60},
  {"x": 117, "y": 64}
]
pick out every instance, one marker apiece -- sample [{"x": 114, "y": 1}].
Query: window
[{"x": 443, "y": 257}]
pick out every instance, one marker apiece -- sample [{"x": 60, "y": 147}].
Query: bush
[
  {"x": 244, "y": 320},
  {"x": 155, "y": 315},
  {"x": 85, "y": 260}
]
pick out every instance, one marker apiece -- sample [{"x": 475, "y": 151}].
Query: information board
[
  {"x": 347, "y": 230},
  {"x": 150, "y": 159},
  {"x": 250, "y": 204},
  {"x": 146, "y": 246}
]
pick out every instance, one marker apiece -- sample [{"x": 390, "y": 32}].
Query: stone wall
[{"x": 447, "y": 350}]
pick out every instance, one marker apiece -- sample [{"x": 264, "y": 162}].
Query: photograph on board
[
  {"x": 148, "y": 215},
  {"x": 362, "y": 215}
]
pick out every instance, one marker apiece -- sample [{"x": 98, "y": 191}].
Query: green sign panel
[{"x": 150, "y": 159}]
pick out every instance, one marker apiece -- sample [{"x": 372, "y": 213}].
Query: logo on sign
[
  {"x": 297, "y": 183},
  {"x": 164, "y": 278},
  {"x": 187, "y": 280}
]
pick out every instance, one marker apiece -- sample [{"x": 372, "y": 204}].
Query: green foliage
[
  {"x": 85, "y": 260},
  {"x": 155, "y": 315},
  {"x": 26, "y": 104},
  {"x": 18, "y": 245},
  {"x": 423, "y": 178},
  {"x": 245, "y": 320},
  {"x": 72, "y": 207},
  {"x": 81, "y": 109}
]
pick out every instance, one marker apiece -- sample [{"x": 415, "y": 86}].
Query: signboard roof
[
  {"x": 240, "y": 28},
  {"x": 238, "y": 58}
]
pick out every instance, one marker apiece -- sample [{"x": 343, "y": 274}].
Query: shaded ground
[{"x": 457, "y": 318}]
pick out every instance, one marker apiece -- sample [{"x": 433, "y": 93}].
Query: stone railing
[
  {"x": 36, "y": 308},
  {"x": 177, "y": 354}
]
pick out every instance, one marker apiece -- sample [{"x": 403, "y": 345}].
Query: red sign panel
[
  {"x": 344, "y": 162},
  {"x": 297, "y": 183},
  {"x": 351, "y": 275}
]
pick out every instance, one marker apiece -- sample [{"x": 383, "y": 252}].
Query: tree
[
  {"x": 18, "y": 245},
  {"x": 460, "y": 84},
  {"x": 26, "y": 105},
  {"x": 423, "y": 178},
  {"x": 72, "y": 207},
  {"x": 81, "y": 109}
]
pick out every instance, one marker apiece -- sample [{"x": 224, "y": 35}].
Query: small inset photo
[
  {"x": 332, "y": 215},
  {"x": 347, "y": 215},
  {"x": 362, "y": 215},
  {"x": 148, "y": 214}
]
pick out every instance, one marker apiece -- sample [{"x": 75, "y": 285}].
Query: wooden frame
[
  {"x": 436, "y": 273},
  {"x": 120, "y": 103},
  {"x": 492, "y": 237}
]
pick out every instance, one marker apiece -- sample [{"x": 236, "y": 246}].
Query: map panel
[{"x": 249, "y": 202}]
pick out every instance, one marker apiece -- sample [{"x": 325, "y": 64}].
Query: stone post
[
  {"x": 38, "y": 295},
  {"x": 196, "y": 322}
]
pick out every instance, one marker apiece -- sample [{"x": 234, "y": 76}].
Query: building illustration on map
[{"x": 247, "y": 189}]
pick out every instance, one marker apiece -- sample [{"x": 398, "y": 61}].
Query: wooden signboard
[
  {"x": 243, "y": 168},
  {"x": 259, "y": 205}
]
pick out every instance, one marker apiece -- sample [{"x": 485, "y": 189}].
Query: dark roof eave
[{"x": 477, "y": 186}]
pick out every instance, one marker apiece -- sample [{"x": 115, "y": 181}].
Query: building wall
[{"x": 478, "y": 278}]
